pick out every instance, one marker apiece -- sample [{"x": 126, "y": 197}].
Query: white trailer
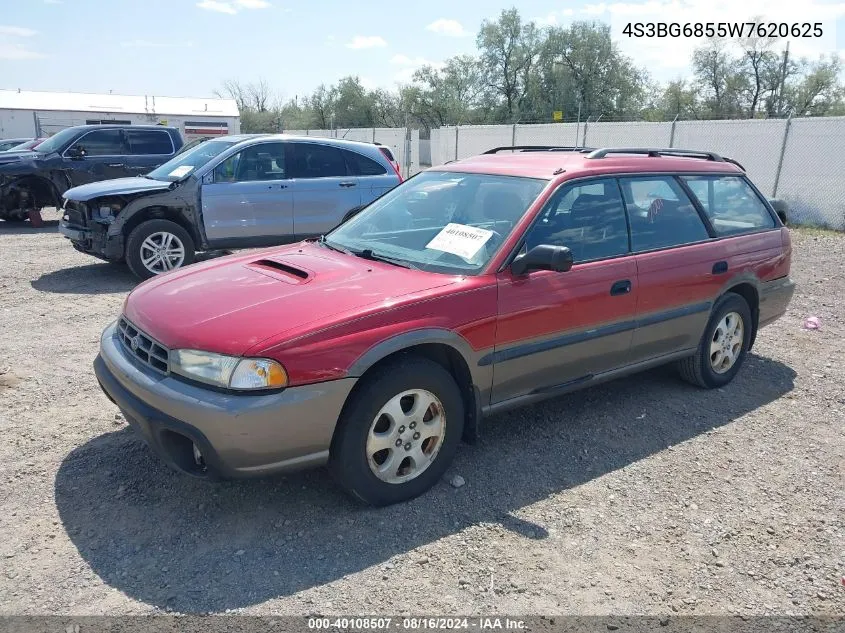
[{"x": 36, "y": 114}]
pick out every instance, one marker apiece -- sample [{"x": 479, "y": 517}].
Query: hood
[
  {"x": 232, "y": 304},
  {"x": 12, "y": 157},
  {"x": 116, "y": 187}
]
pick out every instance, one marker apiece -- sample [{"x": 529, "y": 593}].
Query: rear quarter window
[
  {"x": 731, "y": 204},
  {"x": 360, "y": 165}
]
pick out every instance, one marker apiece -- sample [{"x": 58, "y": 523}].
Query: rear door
[
  {"x": 680, "y": 268},
  {"x": 105, "y": 155},
  {"x": 249, "y": 202},
  {"x": 323, "y": 188},
  {"x": 147, "y": 150},
  {"x": 374, "y": 179}
]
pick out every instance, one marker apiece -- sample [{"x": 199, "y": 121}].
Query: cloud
[
  {"x": 552, "y": 19},
  {"x": 16, "y": 31},
  {"x": 366, "y": 41},
  {"x": 155, "y": 44},
  {"x": 233, "y": 6},
  {"x": 410, "y": 65},
  {"x": 443, "y": 26},
  {"x": 219, "y": 7},
  {"x": 11, "y": 48}
]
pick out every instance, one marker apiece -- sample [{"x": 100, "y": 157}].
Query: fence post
[
  {"x": 782, "y": 152},
  {"x": 457, "y": 129},
  {"x": 584, "y": 139},
  {"x": 37, "y": 125},
  {"x": 374, "y": 136},
  {"x": 672, "y": 132},
  {"x": 513, "y": 135}
]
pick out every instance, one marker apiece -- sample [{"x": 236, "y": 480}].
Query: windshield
[
  {"x": 446, "y": 222},
  {"x": 24, "y": 146},
  {"x": 58, "y": 140},
  {"x": 185, "y": 163}
]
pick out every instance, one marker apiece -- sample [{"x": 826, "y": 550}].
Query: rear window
[
  {"x": 149, "y": 142},
  {"x": 731, "y": 204}
]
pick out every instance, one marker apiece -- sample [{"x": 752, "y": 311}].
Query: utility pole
[{"x": 783, "y": 77}]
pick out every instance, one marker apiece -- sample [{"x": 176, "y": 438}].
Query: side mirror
[
  {"x": 543, "y": 257},
  {"x": 76, "y": 152},
  {"x": 781, "y": 208}
]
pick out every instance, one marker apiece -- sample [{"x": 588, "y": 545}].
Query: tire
[
  {"x": 155, "y": 231},
  {"x": 355, "y": 456},
  {"x": 711, "y": 371}
]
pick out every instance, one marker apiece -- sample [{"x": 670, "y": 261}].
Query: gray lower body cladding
[{"x": 235, "y": 435}]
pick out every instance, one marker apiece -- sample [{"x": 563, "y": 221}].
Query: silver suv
[{"x": 227, "y": 192}]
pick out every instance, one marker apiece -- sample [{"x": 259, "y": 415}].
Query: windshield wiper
[
  {"x": 369, "y": 254},
  {"x": 323, "y": 242}
]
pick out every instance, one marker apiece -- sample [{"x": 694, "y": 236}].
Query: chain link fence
[{"x": 800, "y": 161}]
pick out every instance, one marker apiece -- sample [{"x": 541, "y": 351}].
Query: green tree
[{"x": 508, "y": 50}]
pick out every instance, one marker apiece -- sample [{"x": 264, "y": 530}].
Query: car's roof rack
[
  {"x": 654, "y": 152},
  {"x": 538, "y": 148}
]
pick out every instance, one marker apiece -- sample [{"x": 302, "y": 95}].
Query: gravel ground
[{"x": 642, "y": 496}]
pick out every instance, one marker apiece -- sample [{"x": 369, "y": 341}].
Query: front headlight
[{"x": 228, "y": 372}]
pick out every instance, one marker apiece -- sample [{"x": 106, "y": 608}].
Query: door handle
[
  {"x": 115, "y": 164},
  {"x": 621, "y": 287},
  {"x": 280, "y": 186},
  {"x": 720, "y": 268},
  {"x": 348, "y": 184}
]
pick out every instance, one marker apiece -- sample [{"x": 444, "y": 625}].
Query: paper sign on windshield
[
  {"x": 460, "y": 239},
  {"x": 182, "y": 170}
]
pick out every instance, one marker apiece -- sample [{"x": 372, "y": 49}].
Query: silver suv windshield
[
  {"x": 447, "y": 222},
  {"x": 184, "y": 164}
]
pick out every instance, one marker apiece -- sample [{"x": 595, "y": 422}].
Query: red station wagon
[{"x": 473, "y": 287}]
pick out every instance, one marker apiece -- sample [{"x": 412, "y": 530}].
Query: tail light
[{"x": 389, "y": 156}]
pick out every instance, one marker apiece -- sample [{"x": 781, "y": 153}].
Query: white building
[{"x": 25, "y": 114}]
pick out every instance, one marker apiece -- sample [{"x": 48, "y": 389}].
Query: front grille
[
  {"x": 142, "y": 347},
  {"x": 75, "y": 213}
]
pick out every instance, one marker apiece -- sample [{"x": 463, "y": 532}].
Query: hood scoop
[{"x": 280, "y": 270}]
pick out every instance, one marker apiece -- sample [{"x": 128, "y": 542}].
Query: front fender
[{"x": 481, "y": 376}]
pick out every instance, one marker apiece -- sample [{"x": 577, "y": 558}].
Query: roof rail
[
  {"x": 655, "y": 152},
  {"x": 538, "y": 148},
  {"x": 733, "y": 162}
]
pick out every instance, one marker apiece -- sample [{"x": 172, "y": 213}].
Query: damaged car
[
  {"x": 34, "y": 179},
  {"x": 237, "y": 191}
]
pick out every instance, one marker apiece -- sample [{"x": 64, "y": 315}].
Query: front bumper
[
  {"x": 237, "y": 435},
  {"x": 93, "y": 242}
]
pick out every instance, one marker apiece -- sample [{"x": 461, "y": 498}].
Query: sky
[{"x": 189, "y": 47}]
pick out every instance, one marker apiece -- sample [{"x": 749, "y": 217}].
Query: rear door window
[
  {"x": 661, "y": 214},
  {"x": 313, "y": 160},
  {"x": 149, "y": 142},
  {"x": 731, "y": 204}
]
